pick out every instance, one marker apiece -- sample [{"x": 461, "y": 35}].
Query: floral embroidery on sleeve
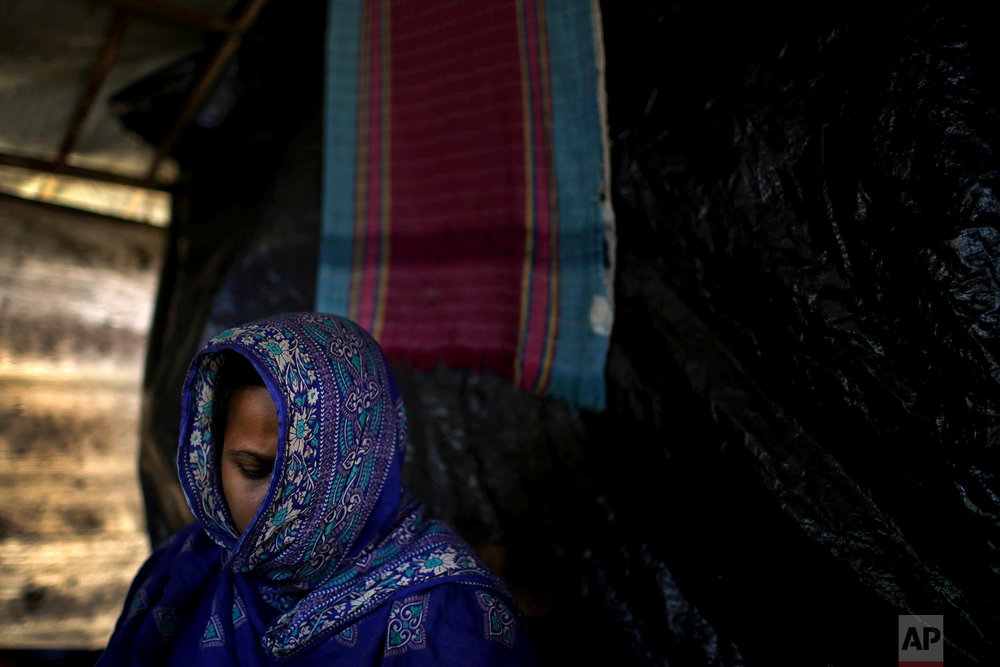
[
  {"x": 214, "y": 634},
  {"x": 498, "y": 621},
  {"x": 166, "y": 621},
  {"x": 239, "y": 613},
  {"x": 406, "y": 625},
  {"x": 348, "y": 636}
]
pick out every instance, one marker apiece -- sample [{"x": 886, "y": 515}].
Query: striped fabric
[{"x": 462, "y": 203}]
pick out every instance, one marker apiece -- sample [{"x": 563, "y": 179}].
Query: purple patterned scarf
[{"x": 337, "y": 563}]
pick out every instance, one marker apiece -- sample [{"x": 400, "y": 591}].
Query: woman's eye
[{"x": 255, "y": 473}]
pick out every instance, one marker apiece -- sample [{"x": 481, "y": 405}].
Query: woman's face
[{"x": 249, "y": 447}]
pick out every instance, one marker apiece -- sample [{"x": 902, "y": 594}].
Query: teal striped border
[
  {"x": 343, "y": 34},
  {"x": 578, "y": 368}
]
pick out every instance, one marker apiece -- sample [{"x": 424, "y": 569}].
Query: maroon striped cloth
[{"x": 445, "y": 202}]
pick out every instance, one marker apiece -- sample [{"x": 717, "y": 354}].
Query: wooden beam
[
  {"x": 171, "y": 13},
  {"x": 204, "y": 84},
  {"x": 97, "y": 75},
  {"x": 53, "y": 167},
  {"x": 7, "y": 198}
]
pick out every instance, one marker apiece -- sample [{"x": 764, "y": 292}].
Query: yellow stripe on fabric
[
  {"x": 361, "y": 172},
  {"x": 529, "y": 199},
  {"x": 385, "y": 175}
]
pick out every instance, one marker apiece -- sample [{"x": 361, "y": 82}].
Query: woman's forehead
[{"x": 251, "y": 421}]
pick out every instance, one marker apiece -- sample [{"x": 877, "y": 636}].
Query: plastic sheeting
[
  {"x": 800, "y": 441},
  {"x": 807, "y": 318}
]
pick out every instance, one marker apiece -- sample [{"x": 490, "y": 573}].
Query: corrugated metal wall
[{"x": 76, "y": 294}]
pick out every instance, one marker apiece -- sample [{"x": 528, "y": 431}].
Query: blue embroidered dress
[{"x": 337, "y": 566}]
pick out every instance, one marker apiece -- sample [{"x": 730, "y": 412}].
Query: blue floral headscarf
[
  {"x": 337, "y": 558},
  {"x": 344, "y": 432}
]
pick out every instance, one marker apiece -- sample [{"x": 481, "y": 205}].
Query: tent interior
[{"x": 797, "y": 440}]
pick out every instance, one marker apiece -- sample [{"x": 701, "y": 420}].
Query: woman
[{"x": 306, "y": 550}]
